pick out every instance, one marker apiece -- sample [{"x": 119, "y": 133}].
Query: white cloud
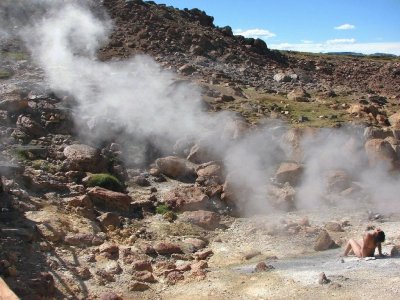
[
  {"x": 307, "y": 41},
  {"x": 340, "y": 41},
  {"x": 255, "y": 33},
  {"x": 366, "y": 48},
  {"x": 345, "y": 27}
]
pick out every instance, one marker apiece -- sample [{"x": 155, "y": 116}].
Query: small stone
[
  {"x": 324, "y": 241},
  {"x": 144, "y": 276},
  {"x": 322, "y": 279},
  {"x": 203, "y": 254},
  {"x": 200, "y": 265},
  {"x": 262, "y": 267},
  {"x": 137, "y": 286},
  {"x": 142, "y": 265},
  {"x": 174, "y": 276},
  {"x": 12, "y": 271}
]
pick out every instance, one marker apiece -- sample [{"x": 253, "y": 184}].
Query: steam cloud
[{"x": 147, "y": 102}]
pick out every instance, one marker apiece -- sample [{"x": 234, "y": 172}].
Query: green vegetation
[
  {"x": 44, "y": 165},
  {"x": 106, "y": 181},
  {"x": 162, "y": 209},
  {"x": 5, "y": 74},
  {"x": 22, "y": 154},
  {"x": 15, "y": 55}
]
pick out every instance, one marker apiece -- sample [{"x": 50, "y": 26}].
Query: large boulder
[
  {"x": 109, "y": 200},
  {"x": 394, "y": 120},
  {"x": 81, "y": 157},
  {"x": 13, "y": 102},
  {"x": 282, "y": 197},
  {"x": 324, "y": 241},
  {"x": 206, "y": 219},
  {"x": 379, "y": 150},
  {"x": 175, "y": 167},
  {"x": 337, "y": 181},
  {"x": 186, "y": 198},
  {"x": 29, "y": 126},
  {"x": 289, "y": 172}
]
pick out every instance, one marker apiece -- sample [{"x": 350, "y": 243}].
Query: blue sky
[{"x": 366, "y": 26}]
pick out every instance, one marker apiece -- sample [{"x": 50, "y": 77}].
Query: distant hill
[{"x": 361, "y": 54}]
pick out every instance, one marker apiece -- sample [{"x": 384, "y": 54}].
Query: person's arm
[{"x": 379, "y": 249}]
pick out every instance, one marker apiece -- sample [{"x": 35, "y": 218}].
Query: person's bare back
[{"x": 366, "y": 247}]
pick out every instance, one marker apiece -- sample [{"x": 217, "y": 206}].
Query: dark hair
[{"x": 380, "y": 236}]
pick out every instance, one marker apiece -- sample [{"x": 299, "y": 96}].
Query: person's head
[{"x": 379, "y": 236}]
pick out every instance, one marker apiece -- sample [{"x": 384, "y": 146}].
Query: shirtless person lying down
[{"x": 366, "y": 247}]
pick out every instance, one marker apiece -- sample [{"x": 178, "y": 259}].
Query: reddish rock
[
  {"x": 144, "y": 276},
  {"x": 109, "y": 248},
  {"x": 30, "y": 126},
  {"x": 200, "y": 265},
  {"x": 142, "y": 265},
  {"x": 186, "y": 198},
  {"x": 337, "y": 181},
  {"x": 206, "y": 219},
  {"x": 394, "y": 120},
  {"x": 165, "y": 248},
  {"x": 146, "y": 248},
  {"x": 110, "y": 199},
  {"x": 174, "y": 276},
  {"x": 203, "y": 254},
  {"x": 262, "y": 267},
  {"x": 334, "y": 226},
  {"x": 109, "y": 296},
  {"x": 197, "y": 244}
]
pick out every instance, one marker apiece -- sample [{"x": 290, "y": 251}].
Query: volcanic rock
[
  {"x": 109, "y": 199},
  {"x": 289, "y": 172},
  {"x": 166, "y": 248},
  {"x": 175, "y": 167},
  {"x": 109, "y": 219},
  {"x": 337, "y": 181},
  {"x": 323, "y": 241},
  {"x": 109, "y": 296},
  {"x": 379, "y": 150},
  {"x": 206, "y": 219},
  {"x": 81, "y": 157},
  {"x": 282, "y": 77},
  {"x": 13, "y": 102},
  {"x": 394, "y": 120},
  {"x": 186, "y": 198},
  {"x": 30, "y": 126}
]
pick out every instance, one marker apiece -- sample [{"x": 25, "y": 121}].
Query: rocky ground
[{"x": 80, "y": 221}]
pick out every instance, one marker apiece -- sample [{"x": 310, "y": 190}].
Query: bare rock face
[
  {"x": 324, "y": 241},
  {"x": 202, "y": 218},
  {"x": 379, "y": 150},
  {"x": 29, "y": 126},
  {"x": 289, "y": 172},
  {"x": 175, "y": 167},
  {"x": 109, "y": 296},
  {"x": 282, "y": 77},
  {"x": 211, "y": 171},
  {"x": 109, "y": 199},
  {"x": 186, "y": 199},
  {"x": 81, "y": 157}
]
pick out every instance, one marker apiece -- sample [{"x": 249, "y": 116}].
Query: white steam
[{"x": 146, "y": 101}]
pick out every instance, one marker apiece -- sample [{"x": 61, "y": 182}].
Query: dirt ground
[{"x": 296, "y": 265}]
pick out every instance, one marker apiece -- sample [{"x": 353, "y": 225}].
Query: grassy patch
[
  {"x": 5, "y": 74},
  {"x": 162, "y": 209},
  {"x": 106, "y": 181},
  {"x": 22, "y": 155},
  {"x": 44, "y": 165},
  {"x": 15, "y": 55}
]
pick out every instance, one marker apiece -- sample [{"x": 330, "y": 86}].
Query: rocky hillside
[
  {"x": 180, "y": 37},
  {"x": 140, "y": 214}
]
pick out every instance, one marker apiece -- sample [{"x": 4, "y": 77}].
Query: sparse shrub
[
  {"x": 106, "y": 181},
  {"x": 162, "y": 209},
  {"x": 22, "y": 154},
  {"x": 44, "y": 165}
]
